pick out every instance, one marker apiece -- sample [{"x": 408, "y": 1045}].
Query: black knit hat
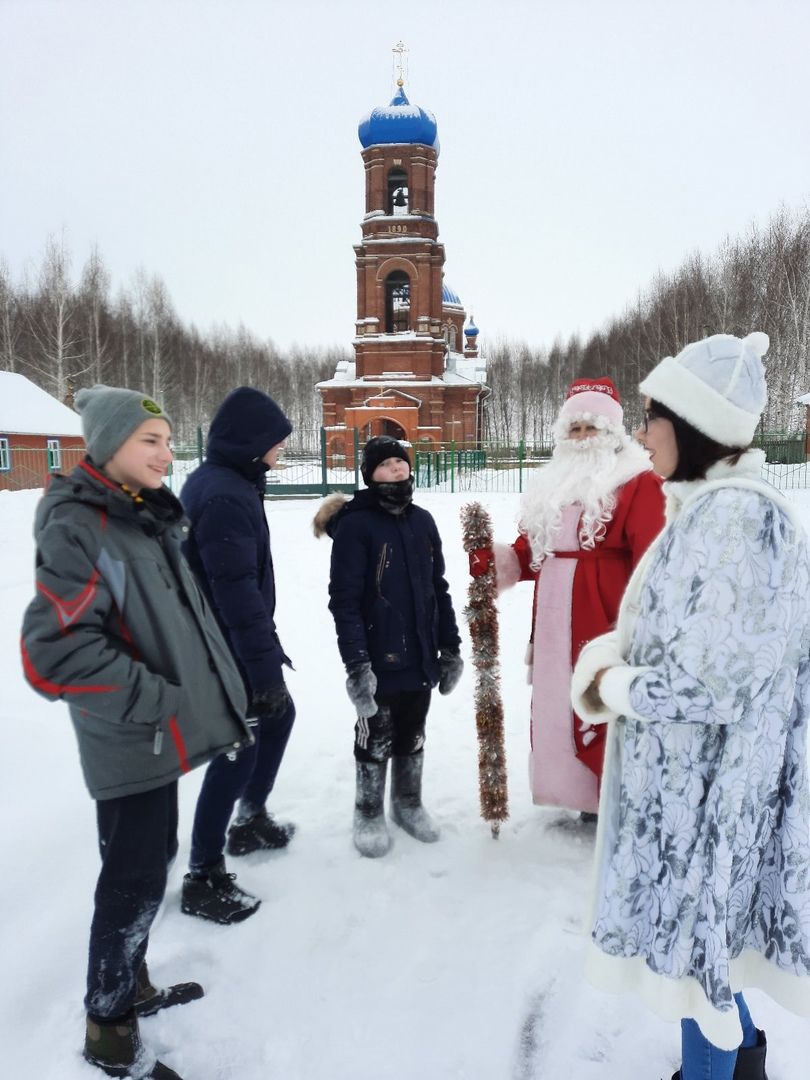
[{"x": 379, "y": 449}]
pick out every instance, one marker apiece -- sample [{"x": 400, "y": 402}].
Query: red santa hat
[{"x": 592, "y": 399}]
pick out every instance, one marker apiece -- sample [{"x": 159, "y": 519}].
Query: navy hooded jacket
[
  {"x": 229, "y": 545},
  {"x": 388, "y": 594}
]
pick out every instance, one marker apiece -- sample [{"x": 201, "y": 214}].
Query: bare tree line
[
  {"x": 59, "y": 331},
  {"x": 760, "y": 281},
  {"x": 63, "y": 333}
]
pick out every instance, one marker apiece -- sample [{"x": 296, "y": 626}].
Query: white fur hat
[{"x": 717, "y": 385}]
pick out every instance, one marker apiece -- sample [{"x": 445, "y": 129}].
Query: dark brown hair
[{"x": 696, "y": 451}]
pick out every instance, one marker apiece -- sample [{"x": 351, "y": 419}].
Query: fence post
[
  {"x": 324, "y": 486},
  {"x": 452, "y": 467},
  {"x": 356, "y": 436},
  {"x": 521, "y": 455}
]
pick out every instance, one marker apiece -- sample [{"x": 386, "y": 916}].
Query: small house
[{"x": 38, "y": 434}]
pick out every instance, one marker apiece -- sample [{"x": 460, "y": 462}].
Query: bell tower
[{"x": 407, "y": 379}]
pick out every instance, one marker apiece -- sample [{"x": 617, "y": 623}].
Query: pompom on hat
[
  {"x": 591, "y": 399},
  {"x": 717, "y": 385},
  {"x": 110, "y": 414}
]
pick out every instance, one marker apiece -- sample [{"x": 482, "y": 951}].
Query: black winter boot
[
  {"x": 258, "y": 833},
  {"x": 751, "y": 1060},
  {"x": 149, "y": 999},
  {"x": 213, "y": 894},
  {"x": 406, "y": 798},
  {"x": 117, "y": 1050},
  {"x": 370, "y": 831}
]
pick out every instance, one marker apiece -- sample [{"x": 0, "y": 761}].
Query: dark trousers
[
  {"x": 137, "y": 837},
  {"x": 249, "y": 776},
  {"x": 398, "y": 726}
]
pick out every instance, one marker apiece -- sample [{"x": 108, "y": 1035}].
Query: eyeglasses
[{"x": 648, "y": 418}]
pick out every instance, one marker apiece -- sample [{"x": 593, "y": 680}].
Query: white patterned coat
[{"x": 703, "y": 847}]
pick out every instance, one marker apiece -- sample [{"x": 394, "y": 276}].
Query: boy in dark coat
[
  {"x": 228, "y": 549},
  {"x": 397, "y": 636},
  {"x": 120, "y": 630}
]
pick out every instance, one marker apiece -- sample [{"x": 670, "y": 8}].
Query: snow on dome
[
  {"x": 471, "y": 330},
  {"x": 450, "y": 296},
  {"x": 399, "y": 122},
  {"x": 26, "y": 409}
]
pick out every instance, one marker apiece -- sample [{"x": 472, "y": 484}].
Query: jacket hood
[
  {"x": 245, "y": 426},
  {"x": 88, "y": 485}
]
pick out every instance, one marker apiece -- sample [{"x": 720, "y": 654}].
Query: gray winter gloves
[
  {"x": 450, "y": 668},
  {"x": 360, "y": 686},
  {"x": 272, "y": 703}
]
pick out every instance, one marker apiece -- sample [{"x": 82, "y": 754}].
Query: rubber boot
[
  {"x": 370, "y": 831},
  {"x": 117, "y": 1050},
  {"x": 406, "y": 798},
  {"x": 150, "y": 999}
]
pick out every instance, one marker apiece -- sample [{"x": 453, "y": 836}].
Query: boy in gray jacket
[{"x": 119, "y": 630}]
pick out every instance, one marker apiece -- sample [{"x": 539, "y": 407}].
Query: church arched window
[
  {"x": 450, "y": 336},
  {"x": 397, "y": 302},
  {"x": 398, "y": 200}
]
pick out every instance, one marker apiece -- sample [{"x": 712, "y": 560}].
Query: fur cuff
[
  {"x": 614, "y": 689},
  {"x": 600, "y": 653},
  {"x": 507, "y": 566}
]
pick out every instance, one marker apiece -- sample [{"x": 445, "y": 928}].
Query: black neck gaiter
[{"x": 393, "y": 497}]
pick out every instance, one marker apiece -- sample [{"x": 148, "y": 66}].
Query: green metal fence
[
  {"x": 451, "y": 467},
  {"x": 785, "y": 459}
]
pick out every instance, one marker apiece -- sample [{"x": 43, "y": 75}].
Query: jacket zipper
[{"x": 381, "y": 566}]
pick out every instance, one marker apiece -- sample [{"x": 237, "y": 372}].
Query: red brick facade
[
  {"x": 27, "y": 462},
  {"x": 405, "y": 381}
]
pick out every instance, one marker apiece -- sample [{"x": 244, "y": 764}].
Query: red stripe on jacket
[
  {"x": 57, "y": 689},
  {"x": 180, "y": 746},
  {"x": 88, "y": 468},
  {"x": 67, "y": 611}
]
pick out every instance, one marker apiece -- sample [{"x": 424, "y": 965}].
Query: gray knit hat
[{"x": 109, "y": 416}]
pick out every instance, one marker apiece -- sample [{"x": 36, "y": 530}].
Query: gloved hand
[
  {"x": 273, "y": 702},
  {"x": 361, "y": 686},
  {"x": 480, "y": 561},
  {"x": 450, "y": 668}
]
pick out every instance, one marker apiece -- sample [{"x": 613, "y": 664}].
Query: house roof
[{"x": 27, "y": 409}]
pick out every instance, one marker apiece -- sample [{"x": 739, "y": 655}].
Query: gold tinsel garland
[{"x": 482, "y": 615}]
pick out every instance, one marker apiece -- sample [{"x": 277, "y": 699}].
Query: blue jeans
[
  {"x": 703, "y": 1061},
  {"x": 250, "y": 777}
]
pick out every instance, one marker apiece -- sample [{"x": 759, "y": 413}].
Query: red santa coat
[{"x": 576, "y": 598}]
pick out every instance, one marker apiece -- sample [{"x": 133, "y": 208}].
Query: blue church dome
[
  {"x": 471, "y": 330},
  {"x": 450, "y": 296},
  {"x": 399, "y": 122}
]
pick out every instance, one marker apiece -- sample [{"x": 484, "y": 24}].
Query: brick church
[{"x": 417, "y": 373}]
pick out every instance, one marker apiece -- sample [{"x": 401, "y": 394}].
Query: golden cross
[{"x": 400, "y": 62}]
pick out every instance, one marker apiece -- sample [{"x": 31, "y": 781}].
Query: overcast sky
[{"x": 585, "y": 145}]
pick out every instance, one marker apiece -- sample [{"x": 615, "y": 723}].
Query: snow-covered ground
[{"x": 457, "y": 961}]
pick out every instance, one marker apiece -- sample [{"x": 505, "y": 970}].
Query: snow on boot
[
  {"x": 370, "y": 831},
  {"x": 150, "y": 999},
  {"x": 258, "y": 833},
  {"x": 406, "y": 798},
  {"x": 751, "y": 1060},
  {"x": 117, "y": 1050},
  {"x": 213, "y": 894}
]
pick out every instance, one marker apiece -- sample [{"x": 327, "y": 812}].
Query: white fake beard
[{"x": 580, "y": 471}]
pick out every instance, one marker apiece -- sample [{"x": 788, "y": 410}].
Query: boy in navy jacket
[
  {"x": 397, "y": 636},
  {"x": 229, "y": 551}
]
